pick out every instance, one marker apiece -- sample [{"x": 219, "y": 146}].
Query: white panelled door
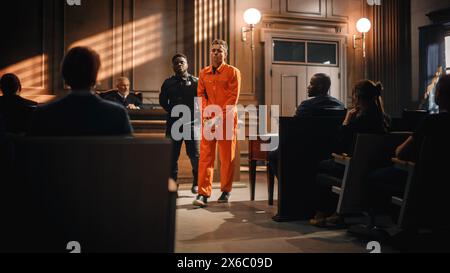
[{"x": 288, "y": 87}]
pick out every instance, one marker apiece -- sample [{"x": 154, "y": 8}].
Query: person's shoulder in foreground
[{"x": 81, "y": 113}]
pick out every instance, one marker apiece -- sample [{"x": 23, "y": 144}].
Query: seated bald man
[{"x": 123, "y": 96}]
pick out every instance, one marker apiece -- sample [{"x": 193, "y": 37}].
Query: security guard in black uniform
[{"x": 181, "y": 89}]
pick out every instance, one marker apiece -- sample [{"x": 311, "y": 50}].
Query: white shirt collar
[{"x": 122, "y": 96}]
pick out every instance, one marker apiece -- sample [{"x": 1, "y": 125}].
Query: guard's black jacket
[{"x": 178, "y": 91}]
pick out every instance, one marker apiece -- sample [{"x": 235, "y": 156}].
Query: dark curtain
[
  {"x": 389, "y": 53},
  {"x": 431, "y": 54}
]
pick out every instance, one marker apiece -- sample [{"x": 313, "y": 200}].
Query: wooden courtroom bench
[
  {"x": 148, "y": 122},
  {"x": 149, "y": 126},
  {"x": 304, "y": 142},
  {"x": 41, "y": 99},
  {"x": 110, "y": 194}
]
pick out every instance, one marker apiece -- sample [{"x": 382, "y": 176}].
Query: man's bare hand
[
  {"x": 212, "y": 123},
  {"x": 133, "y": 107}
]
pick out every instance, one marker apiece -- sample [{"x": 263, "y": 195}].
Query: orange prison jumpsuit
[{"x": 221, "y": 89}]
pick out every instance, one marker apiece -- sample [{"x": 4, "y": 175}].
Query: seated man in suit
[
  {"x": 123, "y": 96},
  {"x": 15, "y": 109},
  {"x": 319, "y": 104},
  {"x": 81, "y": 112},
  {"x": 320, "y": 100}
]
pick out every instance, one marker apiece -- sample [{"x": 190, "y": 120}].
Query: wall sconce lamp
[
  {"x": 363, "y": 26},
  {"x": 251, "y": 17}
]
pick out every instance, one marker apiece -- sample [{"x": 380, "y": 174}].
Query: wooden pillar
[{"x": 211, "y": 22}]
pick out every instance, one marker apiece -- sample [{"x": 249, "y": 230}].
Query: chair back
[
  {"x": 371, "y": 152},
  {"x": 426, "y": 202}
]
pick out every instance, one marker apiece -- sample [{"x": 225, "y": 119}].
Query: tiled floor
[{"x": 243, "y": 226}]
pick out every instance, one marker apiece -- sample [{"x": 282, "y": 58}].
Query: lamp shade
[
  {"x": 363, "y": 25},
  {"x": 252, "y": 16}
]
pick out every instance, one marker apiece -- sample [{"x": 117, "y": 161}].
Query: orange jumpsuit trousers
[{"x": 222, "y": 89}]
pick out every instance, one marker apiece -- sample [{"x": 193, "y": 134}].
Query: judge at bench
[
  {"x": 81, "y": 112},
  {"x": 123, "y": 96}
]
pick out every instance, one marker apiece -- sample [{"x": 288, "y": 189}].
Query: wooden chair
[
  {"x": 425, "y": 203},
  {"x": 255, "y": 155},
  {"x": 108, "y": 194},
  {"x": 371, "y": 152}
]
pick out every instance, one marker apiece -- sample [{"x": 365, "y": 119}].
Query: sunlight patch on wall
[
  {"x": 128, "y": 46},
  {"x": 33, "y": 74}
]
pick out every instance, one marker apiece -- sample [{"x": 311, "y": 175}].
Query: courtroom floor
[{"x": 243, "y": 226}]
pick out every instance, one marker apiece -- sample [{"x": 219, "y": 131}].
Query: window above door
[{"x": 300, "y": 52}]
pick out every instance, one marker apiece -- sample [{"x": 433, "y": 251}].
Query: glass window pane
[
  {"x": 286, "y": 51},
  {"x": 321, "y": 53}
]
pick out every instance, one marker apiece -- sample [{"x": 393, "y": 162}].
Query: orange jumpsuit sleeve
[
  {"x": 235, "y": 89},
  {"x": 201, "y": 92}
]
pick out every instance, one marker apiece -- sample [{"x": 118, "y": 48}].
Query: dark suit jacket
[
  {"x": 314, "y": 106},
  {"x": 16, "y": 112},
  {"x": 131, "y": 99},
  {"x": 80, "y": 115},
  {"x": 2, "y": 129}
]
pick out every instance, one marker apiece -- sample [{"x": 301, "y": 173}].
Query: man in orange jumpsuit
[{"x": 218, "y": 87}]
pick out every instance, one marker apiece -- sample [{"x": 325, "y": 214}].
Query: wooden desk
[
  {"x": 149, "y": 126},
  {"x": 41, "y": 99},
  {"x": 255, "y": 154}
]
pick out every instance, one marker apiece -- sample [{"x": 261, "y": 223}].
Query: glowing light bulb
[
  {"x": 363, "y": 25},
  {"x": 252, "y": 16}
]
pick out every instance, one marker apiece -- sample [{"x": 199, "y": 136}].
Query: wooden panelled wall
[
  {"x": 389, "y": 58},
  {"x": 26, "y": 46},
  {"x": 135, "y": 38},
  {"x": 212, "y": 20}
]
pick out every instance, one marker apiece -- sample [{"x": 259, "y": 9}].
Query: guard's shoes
[
  {"x": 224, "y": 197},
  {"x": 194, "y": 189},
  {"x": 200, "y": 201}
]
